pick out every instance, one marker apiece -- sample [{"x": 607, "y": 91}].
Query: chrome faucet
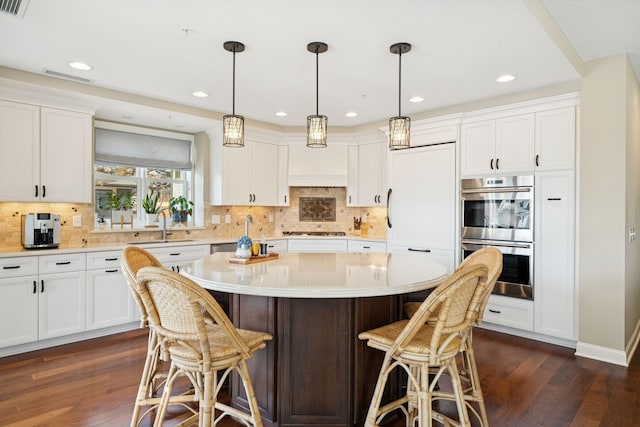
[
  {"x": 164, "y": 224},
  {"x": 247, "y": 220}
]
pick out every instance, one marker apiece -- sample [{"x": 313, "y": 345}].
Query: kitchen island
[{"x": 315, "y": 372}]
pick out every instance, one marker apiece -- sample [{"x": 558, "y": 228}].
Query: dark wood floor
[{"x": 526, "y": 383}]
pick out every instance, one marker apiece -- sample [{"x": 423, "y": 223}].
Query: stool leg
[
  {"x": 458, "y": 392},
  {"x": 145, "y": 389},
  {"x": 476, "y": 389}
]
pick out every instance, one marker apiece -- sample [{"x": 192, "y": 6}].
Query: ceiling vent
[
  {"x": 15, "y": 8},
  {"x": 67, "y": 76}
]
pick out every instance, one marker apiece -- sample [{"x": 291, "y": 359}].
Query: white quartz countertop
[{"x": 319, "y": 275}]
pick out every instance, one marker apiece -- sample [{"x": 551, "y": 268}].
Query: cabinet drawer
[
  {"x": 180, "y": 253},
  {"x": 106, "y": 259},
  {"x": 318, "y": 245},
  {"x": 18, "y": 266},
  {"x": 366, "y": 246},
  {"x": 511, "y": 312},
  {"x": 277, "y": 246},
  {"x": 62, "y": 263}
]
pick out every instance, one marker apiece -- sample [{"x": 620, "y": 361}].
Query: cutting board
[{"x": 254, "y": 259}]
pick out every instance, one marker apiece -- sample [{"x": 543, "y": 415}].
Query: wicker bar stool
[
  {"x": 133, "y": 259},
  {"x": 492, "y": 258},
  {"x": 198, "y": 350},
  {"x": 420, "y": 348}
]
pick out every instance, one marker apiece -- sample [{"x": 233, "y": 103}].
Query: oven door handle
[
  {"x": 497, "y": 243},
  {"x": 498, "y": 190}
]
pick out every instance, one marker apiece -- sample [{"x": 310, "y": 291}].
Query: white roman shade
[{"x": 134, "y": 149}]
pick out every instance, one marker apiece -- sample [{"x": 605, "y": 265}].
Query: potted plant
[
  {"x": 120, "y": 205},
  {"x": 180, "y": 209},
  {"x": 151, "y": 205}
]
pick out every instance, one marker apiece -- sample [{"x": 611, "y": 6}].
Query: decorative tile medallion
[{"x": 318, "y": 209}]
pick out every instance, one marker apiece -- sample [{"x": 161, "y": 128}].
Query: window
[{"x": 133, "y": 163}]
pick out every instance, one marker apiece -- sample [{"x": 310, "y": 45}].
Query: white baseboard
[
  {"x": 632, "y": 345},
  {"x": 604, "y": 354}
]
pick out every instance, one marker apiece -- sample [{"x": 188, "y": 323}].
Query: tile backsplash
[{"x": 282, "y": 219}]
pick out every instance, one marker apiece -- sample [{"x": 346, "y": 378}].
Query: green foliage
[
  {"x": 151, "y": 202},
  {"x": 116, "y": 201},
  {"x": 180, "y": 204}
]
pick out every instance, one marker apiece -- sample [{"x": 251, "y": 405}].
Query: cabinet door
[
  {"x": 109, "y": 300},
  {"x": 477, "y": 148},
  {"x": 62, "y": 304},
  {"x": 422, "y": 204},
  {"x": 370, "y": 174},
  {"x": 19, "y": 152},
  {"x": 555, "y": 139},
  {"x": 554, "y": 255},
  {"x": 65, "y": 156},
  {"x": 264, "y": 172},
  {"x": 514, "y": 145},
  {"x": 283, "y": 185},
  {"x": 236, "y": 175},
  {"x": 18, "y": 310}
]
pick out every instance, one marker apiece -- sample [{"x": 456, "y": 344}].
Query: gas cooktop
[{"x": 314, "y": 233}]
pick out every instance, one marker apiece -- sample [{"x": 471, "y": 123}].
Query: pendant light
[
  {"x": 399, "y": 126},
  {"x": 232, "y": 125},
  {"x": 317, "y": 124}
]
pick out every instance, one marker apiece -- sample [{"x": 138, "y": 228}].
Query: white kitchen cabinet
[
  {"x": 317, "y": 245},
  {"x": 501, "y": 146},
  {"x": 278, "y": 246},
  {"x": 109, "y": 299},
  {"x": 45, "y": 154},
  {"x": 422, "y": 203},
  {"x": 372, "y": 161},
  {"x": 352, "y": 180},
  {"x": 18, "y": 300},
  {"x": 554, "y": 254},
  {"x": 246, "y": 175},
  {"x": 555, "y": 139},
  {"x": 510, "y": 312},
  {"x": 62, "y": 295},
  {"x": 366, "y": 246},
  {"x": 322, "y": 167},
  {"x": 176, "y": 257},
  {"x": 283, "y": 185}
]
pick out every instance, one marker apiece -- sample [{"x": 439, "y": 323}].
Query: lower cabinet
[
  {"x": 511, "y": 312},
  {"x": 364, "y": 246},
  {"x": 18, "y": 310},
  {"x": 176, "y": 257},
  {"x": 61, "y": 304},
  {"x": 109, "y": 299},
  {"x": 317, "y": 245}
]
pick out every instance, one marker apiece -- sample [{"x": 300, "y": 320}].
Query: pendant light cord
[
  {"x": 399, "y": 83},
  {"x": 233, "y": 91},
  {"x": 317, "y": 83}
]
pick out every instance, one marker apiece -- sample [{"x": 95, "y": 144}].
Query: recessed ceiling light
[
  {"x": 505, "y": 78},
  {"x": 351, "y": 114},
  {"x": 200, "y": 94},
  {"x": 80, "y": 66},
  {"x": 416, "y": 99},
  {"x": 281, "y": 114}
]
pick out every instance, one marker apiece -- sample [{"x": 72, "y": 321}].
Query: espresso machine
[{"x": 40, "y": 230}]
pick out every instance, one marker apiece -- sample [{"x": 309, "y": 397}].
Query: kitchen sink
[{"x": 149, "y": 242}]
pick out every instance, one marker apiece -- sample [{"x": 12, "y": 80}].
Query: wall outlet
[
  {"x": 215, "y": 219},
  {"x": 227, "y": 219},
  {"x": 632, "y": 234},
  {"x": 270, "y": 218},
  {"x": 77, "y": 220}
]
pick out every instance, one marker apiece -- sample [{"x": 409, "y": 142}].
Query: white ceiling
[{"x": 166, "y": 49}]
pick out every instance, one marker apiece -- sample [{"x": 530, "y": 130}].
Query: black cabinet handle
[
  {"x": 285, "y": 198},
  {"x": 497, "y": 164},
  {"x": 554, "y": 199},
  {"x": 388, "y": 211},
  {"x": 35, "y": 286},
  {"x": 349, "y": 199},
  {"x": 366, "y": 247},
  {"x": 111, "y": 259},
  {"x": 63, "y": 263},
  {"x": 36, "y": 191},
  {"x": 111, "y": 271},
  {"x": 177, "y": 269},
  {"x": 491, "y": 164},
  {"x": 420, "y": 250},
  {"x": 495, "y": 311},
  {"x": 41, "y": 285},
  {"x": 44, "y": 191},
  {"x": 10, "y": 267},
  {"x": 174, "y": 254},
  {"x": 537, "y": 159}
]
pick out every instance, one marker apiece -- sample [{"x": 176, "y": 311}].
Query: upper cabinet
[
  {"x": 501, "y": 146},
  {"x": 372, "y": 161},
  {"x": 45, "y": 154},
  {"x": 321, "y": 167},
  {"x": 245, "y": 176},
  {"x": 543, "y": 139}
]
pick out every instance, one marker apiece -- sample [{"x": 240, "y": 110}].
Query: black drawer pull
[
  {"x": 420, "y": 250},
  {"x": 366, "y": 247},
  {"x": 41, "y": 285},
  {"x": 111, "y": 271},
  {"x": 495, "y": 311},
  {"x": 63, "y": 263},
  {"x": 10, "y": 267},
  {"x": 35, "y": 286},
  {"x": 554, "y": 199},
  {"x": 111, "y": 259},
  {"x": 175, "y": 254}
]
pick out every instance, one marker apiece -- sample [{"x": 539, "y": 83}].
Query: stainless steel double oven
[{"x": 498, "y": 212}]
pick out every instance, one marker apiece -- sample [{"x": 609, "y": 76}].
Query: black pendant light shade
[
  {"x": 317, "y": 124},
  {"x": 399, "y": 126},
  {"x": 233, "y": 125}
]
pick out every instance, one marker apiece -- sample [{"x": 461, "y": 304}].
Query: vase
[
  {"x": 151, "y": 218},
  {"x": 243, "y": 252}
]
